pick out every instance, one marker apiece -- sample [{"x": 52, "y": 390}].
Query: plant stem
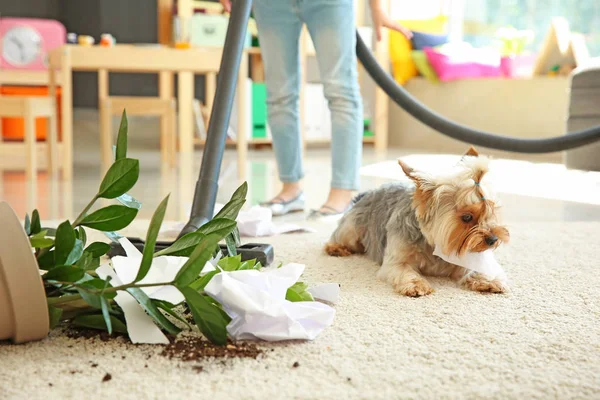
[
  {"x": 115, "y": 288},
  {"x": 63, "y": 299},
  {"x": 85, "y": 210},
  {"x": 136, "y": 285}
]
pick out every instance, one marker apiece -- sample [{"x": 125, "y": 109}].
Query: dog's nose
[{"x": 491, "y": 240}]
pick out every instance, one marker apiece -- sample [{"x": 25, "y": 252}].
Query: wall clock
[{"x": 25, "y": 42}]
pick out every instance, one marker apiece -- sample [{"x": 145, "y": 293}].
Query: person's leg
[
  {"x": 279, "y": 28},
  {"x": 332, "y": 29}
]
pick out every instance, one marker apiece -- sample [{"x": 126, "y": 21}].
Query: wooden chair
[
  {"x": 165, "y": 108},
  {"x": 30, "y": 108}
]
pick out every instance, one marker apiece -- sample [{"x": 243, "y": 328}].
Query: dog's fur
[{"x": 398, "y": 226}]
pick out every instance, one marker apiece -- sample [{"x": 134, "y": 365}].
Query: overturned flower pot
[{"x": 23, "y": 308}]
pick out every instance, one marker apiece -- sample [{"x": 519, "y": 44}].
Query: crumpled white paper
[
  {"x": 255, "y": 222},
  {"x": 483, "y": 262},
  {"x": 255, "y": 301},
  {"x": 140, "y": 326}
]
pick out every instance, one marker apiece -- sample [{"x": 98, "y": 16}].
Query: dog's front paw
[
  {"x": 479, "y": 283},
  {"x": 414, "y": 288}
]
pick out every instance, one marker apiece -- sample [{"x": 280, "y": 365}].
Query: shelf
[{"x": 20, "y": 77}]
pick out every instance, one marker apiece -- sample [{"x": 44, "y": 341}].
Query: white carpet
[{"x": 540, "y": 341}]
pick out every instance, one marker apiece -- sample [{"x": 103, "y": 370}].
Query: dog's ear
[
  {"x": 408, "y": 170},
  {"x": 471, "y": 152}
]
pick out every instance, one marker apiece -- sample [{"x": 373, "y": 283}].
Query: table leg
[
  {"x": 67, "y": 114},
  {"x": 52, "y": 140},
  {"x": 165, "y": 92},
  {"x": 105, "y": 114},
  {"x": 30, "y": 145},
  {"x": 186, "y": 97},
  {"x": 242, "y": 116}
]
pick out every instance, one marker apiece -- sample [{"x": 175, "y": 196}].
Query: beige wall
[{"x": 527, "y": 108}]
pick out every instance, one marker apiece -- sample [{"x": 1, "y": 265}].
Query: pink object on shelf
[
  {"x": 517, "y": 66},
  {"x": 463, "y": 62}
]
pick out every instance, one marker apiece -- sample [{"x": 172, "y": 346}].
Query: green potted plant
[{"x": 51, "y": 276}]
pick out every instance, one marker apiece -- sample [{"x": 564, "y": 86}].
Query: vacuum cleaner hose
[{"x": 460, "y": 132}]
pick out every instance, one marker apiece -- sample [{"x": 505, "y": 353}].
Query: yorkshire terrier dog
[{"x": 398, "y": 226}]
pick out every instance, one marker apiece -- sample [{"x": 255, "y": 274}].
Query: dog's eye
[{"x": 467, "y": 218}]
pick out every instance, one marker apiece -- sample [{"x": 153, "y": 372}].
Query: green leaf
[
  {"x": 65, "y": 241},
  {"x": 41, "y": 243},
  {"x": 82, "y": 235},
  {"x": 50, "y": 232},
  {"x": 27, "y": 225},
  {"x": 208, "y": 318},
  {"x": 98, "y": 249},
  {"x": 231, "y": 247},
  {"x": 143, "y": 299},
  {"x": 298, "y": 292},
  {"x": 46, "y": 260},
  {"x": 236, "y": 236},
  {"x": 129, "y": 201},
  {"x": 106, "y": 315},
  {"x": 185, "y": 245},
  {"x": 168, "y": 308},
  {"x": 241, "y": 192},
  {"x": 76, "y": 253},
  {"x": 96, "y": 321},
  {"x": 121, "y": 151},
  {"x": 219, "y": 226},
  {"x": 247, "y": 265},
  {"x": 36, "y": 225},
  {"x": 230, "y": 263},
  {"x": 120, "y": 177},
  {"x": 200, "y": 283},
  {"x": 95, "y": 299},
  {"x": 85, "y": 261},
  {"x": 54, "y": 313},
  {"x": 151, "y": 236},
  {"x": 64, "y": 273},
  {"x": 231, "y": 209},
  {"x": 100, "y": 284},
  {"x": 258, "y": 266},
  {"x": 194, "y": 265},
  {"x": 111, "y": 218}
]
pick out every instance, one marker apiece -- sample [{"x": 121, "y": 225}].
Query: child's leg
[
  {"x": 332, "y": 29},
  {"x": 279, "y": 29}
]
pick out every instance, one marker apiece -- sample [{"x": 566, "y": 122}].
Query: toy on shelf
[
  {"x": 107, "y": 40},
  {"x": 562, "y": 51}
]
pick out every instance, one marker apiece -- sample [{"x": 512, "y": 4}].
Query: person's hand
[
  {"x": 226, "y": 5},
  {"x": 382, "y": 20}
]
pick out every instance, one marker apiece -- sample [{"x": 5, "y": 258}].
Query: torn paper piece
[
  {"x": 258, "y": 221},
  {"x": 483, "y": 262},
  {"x": 163, "y": 269},
  {"x": 140, "y": 327},
  {"x": 329, "y": 292},
  {"x": 255, "y": 301}
]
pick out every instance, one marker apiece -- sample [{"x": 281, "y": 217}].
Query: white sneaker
[{"x": 280, "y": 207}]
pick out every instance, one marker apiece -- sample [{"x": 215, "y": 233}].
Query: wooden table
[{"x": 165, "y": 61}]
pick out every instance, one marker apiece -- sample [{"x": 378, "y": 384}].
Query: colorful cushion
[
  {"x": 452, "y": 62},
  {"x": 400, "y": 47},
  {"x": 423, "y": 67},
  {"x": 420, "y": 40}
]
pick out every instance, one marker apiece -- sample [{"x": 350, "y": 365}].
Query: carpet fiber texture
[{"x": 542, "y": 340}]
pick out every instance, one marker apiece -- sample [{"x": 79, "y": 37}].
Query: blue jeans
[{"x": 332, "y": 29}]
